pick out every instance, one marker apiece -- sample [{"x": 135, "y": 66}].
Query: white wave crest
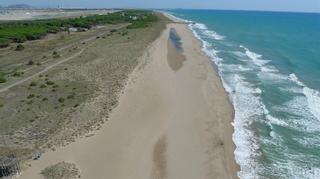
[
  {"x": 213, "y": 35},
  {"x": 295, "y": 79},
  {"x": 256, "y": 58},
  {"x": 200, "y": 26},
  {"x": 247, "y": 106},
  {"x": 208, "y": 33},
  {"x": 313, "y": 96},
  {"x": 206, "y": 47}
]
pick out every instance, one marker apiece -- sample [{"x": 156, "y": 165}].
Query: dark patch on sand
[
  {"x": 159, "y": 159},
  {"x": 175, "y": 57},
  {"x": 175, "y": 39}
]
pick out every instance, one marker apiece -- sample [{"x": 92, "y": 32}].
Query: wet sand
[{"x": 170, "y": 123}]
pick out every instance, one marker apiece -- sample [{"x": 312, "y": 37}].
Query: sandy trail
[{"x": 170, "y": 123}]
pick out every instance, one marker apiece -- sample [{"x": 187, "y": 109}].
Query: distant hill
[{"x": 19, "y": 6}]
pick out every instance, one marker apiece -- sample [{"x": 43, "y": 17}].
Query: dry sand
[{"x": 170, "y": 123}]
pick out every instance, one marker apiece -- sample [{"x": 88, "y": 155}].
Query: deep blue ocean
[{"x": 269, "y": 63}]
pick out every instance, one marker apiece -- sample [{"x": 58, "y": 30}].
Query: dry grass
[{"x": 62, "y": 170}]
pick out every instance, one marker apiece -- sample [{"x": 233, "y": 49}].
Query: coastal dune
[{"x": 173, "y": 121}]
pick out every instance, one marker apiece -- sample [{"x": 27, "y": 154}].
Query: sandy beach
[{"x": 173, "y": 121}]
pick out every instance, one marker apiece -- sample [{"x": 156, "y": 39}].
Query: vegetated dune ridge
[
  {"x": 65, "y": 85},
  {"x": 170, "y": 123}
]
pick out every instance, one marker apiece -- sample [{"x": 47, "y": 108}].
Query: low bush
[
  {"x": 19, "y": 47},
  {"x": 17, "y": 74},
  {"x": 49, "y": 82},
  {"x": 55, "y": 86},
  {"x": 30, "y": 62},
  {"x": 2, "y": 77},
  {"x": 55, "y": 54},
  {"x": 33, "y": 84},
  {"x": 4, "y": 43},
  {"x": 30, "y": 96},
  {"x": 71, "y": 96},
  {"x": 61, "y": 100}
]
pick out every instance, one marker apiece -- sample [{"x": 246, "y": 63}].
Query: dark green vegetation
[
  {"x": 2, "y": 77},
  {"x": 22, "y": 31},
  {"x": 4, "y": 42}
]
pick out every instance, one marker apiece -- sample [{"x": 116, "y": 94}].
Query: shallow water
[
  {"x": 175, "y": 39},
  {"x": 269, "y": 63}
]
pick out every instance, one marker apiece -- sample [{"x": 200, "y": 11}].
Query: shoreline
[
  {"x": 180, "y": 127},
  {"x": 216, "y": 73}
]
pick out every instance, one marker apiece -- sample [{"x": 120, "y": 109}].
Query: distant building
[
  {"x": 133, "y": 17},
  {"x": 72, "y": 29}
]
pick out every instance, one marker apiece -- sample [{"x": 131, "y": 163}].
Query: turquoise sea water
[{"x": 269, "y": 63}]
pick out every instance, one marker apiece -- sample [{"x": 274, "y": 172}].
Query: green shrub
[
  {"x": 4, "y": 43},
  {"x": 33, "y": 84},
  {"x": 2, "y": 77},
  {"x": 3, "y": 80},
  {"x": 71, "y": 96},
  {"x": 30, "y": 62},
  {"x": 17, "y": 74},
  {"x": 124, "y": 33},
  {"x": 19, "y": 47},
  {"x": 49, "y": 82},
  {"x": 30, "y": 96},
  {"x": 55, "y": 54},
  {"x": 61, "y": 100}
]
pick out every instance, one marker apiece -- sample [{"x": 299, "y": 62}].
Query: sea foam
[
  {"x": 313, "y": 96},
  {"x": 208, "y": 33},
  {"x": 239, "y": 93},
  {"x": 256, "y": 58}
]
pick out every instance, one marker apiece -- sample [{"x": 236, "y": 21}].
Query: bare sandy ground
[{"x": 170, "y": 123}]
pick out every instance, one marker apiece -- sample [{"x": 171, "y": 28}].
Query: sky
[{"x": 270, "y": 5}]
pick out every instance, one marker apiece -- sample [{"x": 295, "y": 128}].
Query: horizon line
[{"x": 215, "y": 9}]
